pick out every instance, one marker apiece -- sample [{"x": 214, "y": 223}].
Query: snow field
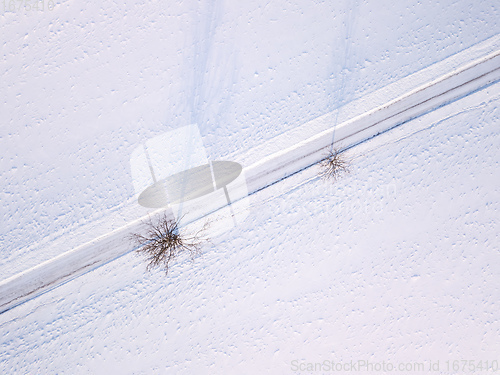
[
  {"x": 84, "y": 84},
  {"x": 408, "y": 275},
  {"x": 425, "y": 97}
]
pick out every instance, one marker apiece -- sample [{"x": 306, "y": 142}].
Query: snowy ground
[
  {"x": 397, "y": 262},
  {"x": 85, "y": 83}
]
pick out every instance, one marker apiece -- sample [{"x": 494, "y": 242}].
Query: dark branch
[
  {"x": 164, "y": 242},
  {"x": 334, "y": 165}
]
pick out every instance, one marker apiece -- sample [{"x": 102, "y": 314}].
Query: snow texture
[
  {"x": 162, "y": 161},
  {"x": 397, "y": 262},
  {"x": 84, "y": 84}
]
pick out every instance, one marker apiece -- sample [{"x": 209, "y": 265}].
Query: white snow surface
[
  {"x": 482, "y": 67},
  {"x": 396, "y": 262},
  {"x": 84, "y": 84}
]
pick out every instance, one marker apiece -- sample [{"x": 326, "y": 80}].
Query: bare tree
[
  {"x": 164, "y": 241},
  {"x": 334, "y": 165}
]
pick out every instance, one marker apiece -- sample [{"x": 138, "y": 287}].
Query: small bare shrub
[
  {"x": 164, "y": 241},
  {"x": 334, "y": 165}
]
